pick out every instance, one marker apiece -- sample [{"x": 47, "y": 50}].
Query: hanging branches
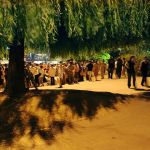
[{"x": 82, "y": 24}]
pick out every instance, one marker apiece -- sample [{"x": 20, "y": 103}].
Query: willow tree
[
  {"x": 68, "y": 26},
  {"x": 42, "y": 30},
  {"x": 97, "y": 24},
  {"x": 13, "y": 25},
  {"x": 14, "y": 20},
  {"x": 75, "y": 26},
  {"x": 16, "y": 84}
]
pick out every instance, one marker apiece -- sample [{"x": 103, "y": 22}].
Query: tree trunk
[
  {"x": 16, "y": 78},
  {"x": 16, "y": 84}
]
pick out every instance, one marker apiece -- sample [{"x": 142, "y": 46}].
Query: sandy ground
[
  {"x": 106, "y": 85},
  {"x": 102, "y": 115},
  {"x": 125, "y": 129}
]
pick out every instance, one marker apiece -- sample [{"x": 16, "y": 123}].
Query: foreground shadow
[{"x": 44, "y": 114}]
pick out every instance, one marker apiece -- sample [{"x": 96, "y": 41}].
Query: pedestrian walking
[
  {"x": 144, "y": 68},
  {"x": 131, "y": 71}
]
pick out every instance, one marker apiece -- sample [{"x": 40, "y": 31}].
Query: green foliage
[
  {"x": 6, "y": 23},
  {"x": 140, "y": 50},
  {"x": 102, "y": 56},
  {"x": 95, "y": 25},
  {"x": 41, "y": 22},
  {"x": 75, "y": 27}
]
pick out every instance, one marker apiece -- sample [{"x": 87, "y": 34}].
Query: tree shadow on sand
[{"x": 44, "y": 114}]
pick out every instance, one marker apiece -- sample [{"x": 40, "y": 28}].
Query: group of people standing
[
  {"x": 117, "y": 67},
  {"x": 121, "y": 66},
  {"x": 69, "y": 72},
  {"x": 143, "y": 68},
  {"x": 72, "y": 72}
]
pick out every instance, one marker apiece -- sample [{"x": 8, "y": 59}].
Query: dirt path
[
  {"x": 86, "y": 116},
  {"x": 125, "y": 129},
  {"x": 106, "y": 85}
]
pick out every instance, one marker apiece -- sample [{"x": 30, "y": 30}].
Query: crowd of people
[{"x": 71, "y": 72}]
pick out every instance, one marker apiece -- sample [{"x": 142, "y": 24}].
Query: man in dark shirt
[
  {"x": 119, "y": 67},
  {"x": 144, "y": 67},
  {"x": 131, "y": 71},
  {"x": 111, "y": 67},
  {"x": 89, "y": 70}
]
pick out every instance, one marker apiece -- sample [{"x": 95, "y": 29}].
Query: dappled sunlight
[
  {"x": 59, "y": 112},
  {"x": 30, "y": 124}
]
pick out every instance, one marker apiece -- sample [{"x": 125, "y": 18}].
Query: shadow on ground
[{"x": 44, "y": 114}]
